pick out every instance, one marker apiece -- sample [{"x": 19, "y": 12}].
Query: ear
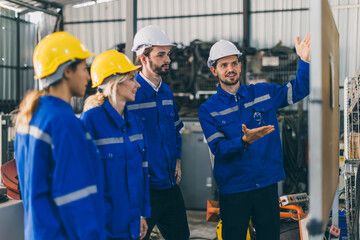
[
  {"x": 143, "y": 59},
  {"x": 67, "y": 72},
  {"x": 213, "y": 71}
]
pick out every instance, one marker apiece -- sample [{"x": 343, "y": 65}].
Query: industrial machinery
[{"x": 352, "y": 154}]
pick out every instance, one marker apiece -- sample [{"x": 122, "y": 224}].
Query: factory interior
[{"x": 319, "y": 198}]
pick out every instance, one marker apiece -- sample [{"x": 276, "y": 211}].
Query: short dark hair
[{"x": 146, "y": 52}]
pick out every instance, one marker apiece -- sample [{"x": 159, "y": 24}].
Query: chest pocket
[
  {"x": 261, "y": 114},
  {"x": 229, "y": 126},
  {"x": 114, "y": 163},
  {"x": 168, "y": 108}
]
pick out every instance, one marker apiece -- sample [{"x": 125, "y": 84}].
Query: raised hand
[
  {"x": 251, "y": 135},
  {"x": 303, "y": 47}
]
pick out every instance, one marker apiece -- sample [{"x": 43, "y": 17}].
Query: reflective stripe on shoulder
[
  {"x": 141, "y": 106},
  {"x": 167, "y": 102},
  {"x": 257, "y": 100},
  {"x": 74, "y": 196},
  {"x": 145, "y": 164},
  {"x": 106, "y": 141},
  {"x": 225, "y": 111},
  {"x": 289, "y": 94},
  {"x": 215, "y": 135},
  {"x": 36, "y": 133},
  {"x": 177, "y": 123},
  {"x": 136, "y": 137}
]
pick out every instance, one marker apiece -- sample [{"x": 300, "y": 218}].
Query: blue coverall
[
  {"x": 123, "y": 152},
  {"x": 237, "y": 169},
  {"x": 158, "y": 112},
  {"x": 60, "y": 175}
]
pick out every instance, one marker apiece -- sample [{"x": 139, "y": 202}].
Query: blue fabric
[
  {"x": 237, "y": 169},
  {"x": 60, "y": 175},
  {"x": 162, "y": 124},
  {"x": 122, "y": 148}
]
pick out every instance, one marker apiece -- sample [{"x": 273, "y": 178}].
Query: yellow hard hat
[
  {"x": 110, "y": 63},
  {"x": 56, "y": 49}
]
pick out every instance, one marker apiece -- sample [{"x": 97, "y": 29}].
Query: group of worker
[{"x": 114, "y": 173}]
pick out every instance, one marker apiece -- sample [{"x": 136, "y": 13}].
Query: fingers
[
  {"x": 244, "y": 129},
  {"x": 297, "y": 41}
]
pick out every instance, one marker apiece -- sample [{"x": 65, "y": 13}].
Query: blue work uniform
[
  {"x": 239, "y": 169},
  {"x": 60, "y": 175},
  {"x": 121, "y": 143},
  {"x": 162, "y": 124}
]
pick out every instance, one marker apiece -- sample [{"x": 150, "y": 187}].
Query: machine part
[
  {"x": 10, "y": 179},
  {"x": 294, "y": 199},
  {"x": 7, "y": 136},
  {"x": 352, "y": 155}
]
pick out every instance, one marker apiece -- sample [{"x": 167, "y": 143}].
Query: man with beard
[
  {"x": 154, "y": 104},
  {"x": 241, "y": 128}
]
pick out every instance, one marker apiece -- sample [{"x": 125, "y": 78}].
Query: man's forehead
[
  {"x": 228, "y": 59},
  {"x": 158, "y": 49}
]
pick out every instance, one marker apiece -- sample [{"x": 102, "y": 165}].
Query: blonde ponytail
[
  {"x": 28, "y": 106},
  {"x": 108, "y": 92},
  {"x": 94, "y": 101}
]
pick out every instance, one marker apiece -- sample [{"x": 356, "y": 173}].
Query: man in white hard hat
[
  {"x": 155, "y": 105},
  {"x": 241, "y": 128}
]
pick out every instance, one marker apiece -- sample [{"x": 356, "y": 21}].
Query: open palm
[{"x": 303, "y": 47}]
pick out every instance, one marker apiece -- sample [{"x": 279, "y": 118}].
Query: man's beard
[
  {"x": 158, "y": 70},
  {"x": 229, "y": 83}
]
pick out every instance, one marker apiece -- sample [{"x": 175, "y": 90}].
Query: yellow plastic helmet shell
[
  {"x": 56, "y": 49},
  {"x": 110, "y": 63}
]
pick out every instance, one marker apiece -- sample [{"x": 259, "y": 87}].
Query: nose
[
  {"x": 167, "y": 59},
  {"x": 137, "y": 85}
]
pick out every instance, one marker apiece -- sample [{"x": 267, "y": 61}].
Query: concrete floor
[{"x": 199, "y": 228}]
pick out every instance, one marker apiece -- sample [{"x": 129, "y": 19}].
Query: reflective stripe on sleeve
[
  {"x": 141, "y": 106},
  {"x": 74, "y": 196},
  {"x": 36, "y": 133},
  {"x": 289, "y": 94},
  {"x": 215, "y": 135},
  {"x": 177, "y": 123}
]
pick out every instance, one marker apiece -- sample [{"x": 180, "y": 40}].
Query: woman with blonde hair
[
  {"x": 119, "y": 135},
  {"x": 59, "y": 169}
]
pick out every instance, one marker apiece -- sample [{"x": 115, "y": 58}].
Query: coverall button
[
  {"x": 257, "y": 185},
  {"x": 110, "y": 155},
  {"x": 223, "y": 122}
]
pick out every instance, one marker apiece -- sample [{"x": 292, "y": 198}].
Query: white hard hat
[
  {"x": 220, "y": 49},
  {"x": 149, "y": 36}
]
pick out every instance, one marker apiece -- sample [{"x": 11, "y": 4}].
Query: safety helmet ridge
[
  {"x": 55, "y": 50},
  {"x": 150, "y": 36},
  {"x": 110, "y": 63},
  {"x": 220, "y": 49}
]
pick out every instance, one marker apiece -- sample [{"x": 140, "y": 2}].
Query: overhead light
[
  {"x": 85, "y": 4},
  {"x": 103, "y": 1}
]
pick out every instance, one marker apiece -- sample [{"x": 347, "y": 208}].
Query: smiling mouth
[{"x": 231, "y": 75}]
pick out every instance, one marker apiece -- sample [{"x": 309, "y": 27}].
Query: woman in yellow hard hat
[
  {"x": 119, "y": 135},
  {"x": 60, "y": 172}
]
